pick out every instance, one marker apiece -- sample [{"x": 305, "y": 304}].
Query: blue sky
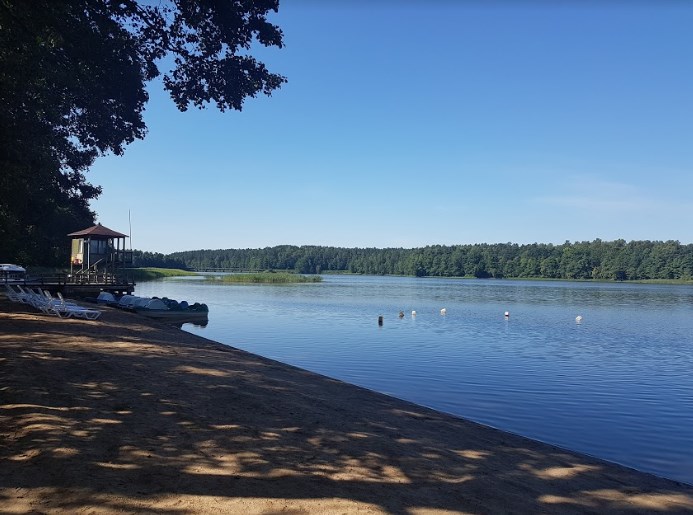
[{"x": 412, "y": 123}]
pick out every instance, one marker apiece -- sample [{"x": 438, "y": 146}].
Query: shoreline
[{"x": 129, "y": 414}]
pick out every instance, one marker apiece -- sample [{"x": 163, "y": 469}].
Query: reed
[
  {"x": 150, "y": 274},
  {"x": 266, "y": 278}
]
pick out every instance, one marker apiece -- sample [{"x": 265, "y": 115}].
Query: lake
[{"x": 617, "y": 385}]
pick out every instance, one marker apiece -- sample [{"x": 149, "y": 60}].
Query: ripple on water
[{"x": 617, "y": 385}]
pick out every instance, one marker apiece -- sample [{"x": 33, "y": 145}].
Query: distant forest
[{"x": 604, "y": 260}]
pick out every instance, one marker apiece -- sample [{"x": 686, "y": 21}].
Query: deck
[{"x": 81, "y": 285}]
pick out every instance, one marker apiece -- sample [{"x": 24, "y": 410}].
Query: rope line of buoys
[{"x": 444, "y": 311}]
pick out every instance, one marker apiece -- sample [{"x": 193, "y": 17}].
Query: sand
[{"x": 125, "y": 415}]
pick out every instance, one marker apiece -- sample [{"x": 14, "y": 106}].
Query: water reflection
[{"x": 616, "y": 385}]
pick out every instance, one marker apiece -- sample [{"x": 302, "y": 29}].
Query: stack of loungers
[{"x": 45, "y": 302}]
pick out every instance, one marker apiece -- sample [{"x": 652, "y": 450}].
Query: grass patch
[
  {"x": 149, "y": 274},
  {"x": 266, "y": 278}
]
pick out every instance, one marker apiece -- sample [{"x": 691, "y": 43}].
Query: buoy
[
  {"x": 380, "y": 320},
  {"x": 507, "y": 314},
  {"x": 413, "y": 313},
  {"x": 443, "y": 311},
  {"x": 578, "y": 319},
  {"x": 401, "y": 314}
]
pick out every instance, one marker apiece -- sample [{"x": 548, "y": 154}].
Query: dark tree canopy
[{"x": 72, "y": 87}]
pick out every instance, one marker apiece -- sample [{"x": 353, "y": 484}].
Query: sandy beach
[{"x": 124, "y": 415}]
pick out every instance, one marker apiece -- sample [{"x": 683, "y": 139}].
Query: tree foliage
[
  {"x": 72, "y": 88},
  {"x": 615, "y": 260}
]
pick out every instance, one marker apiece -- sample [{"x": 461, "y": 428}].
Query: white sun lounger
[
  {"x": 44, "y": 301},
  {"x": 66, "y": 309}
]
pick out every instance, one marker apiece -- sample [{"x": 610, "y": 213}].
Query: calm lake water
[{"x": 618, "y": 385}]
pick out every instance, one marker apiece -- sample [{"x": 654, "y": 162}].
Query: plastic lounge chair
[
  {"x": 36, "y": 298},
  {"x": 12, "y": 294},
  {"x": 73, "y": 311},
  {"x": 85, "y": 313},
  {"x": 25, "y": 295},
  {"x": 44, "y": 301},
  {"x": 66, "y": 309}
]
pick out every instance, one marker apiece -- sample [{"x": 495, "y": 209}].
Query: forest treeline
[{"x": 605, "y": 260}]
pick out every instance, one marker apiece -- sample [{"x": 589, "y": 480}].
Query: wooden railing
[
  {"x": 92, "y": 277},
  {"x": 84, "y": 277}
]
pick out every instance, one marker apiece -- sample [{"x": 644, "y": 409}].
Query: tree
[{"x": 72, "y": 88}]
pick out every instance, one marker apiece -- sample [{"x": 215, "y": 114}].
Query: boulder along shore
[{"x": 125, "y": 414}]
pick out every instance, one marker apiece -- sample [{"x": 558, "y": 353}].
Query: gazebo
[{"x": 98, "y": 255}]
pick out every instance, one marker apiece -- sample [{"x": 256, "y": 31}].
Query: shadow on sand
[{"x": 119, "y": 414}]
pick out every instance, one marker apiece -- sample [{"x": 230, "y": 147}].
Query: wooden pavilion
[
  {"x": 98, "y": 259},
  {"x": 98, "y": 262}
]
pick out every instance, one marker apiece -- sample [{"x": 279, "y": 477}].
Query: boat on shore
[
  {"x": 169, "y": 308},
  {"x": 159, "y": 308}
]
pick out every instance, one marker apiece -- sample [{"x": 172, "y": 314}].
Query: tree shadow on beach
[{"x": 131, "y": 416}]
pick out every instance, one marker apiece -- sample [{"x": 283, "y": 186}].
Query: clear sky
[{"x": 412, "y": 123}]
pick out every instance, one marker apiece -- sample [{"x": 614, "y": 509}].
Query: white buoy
[
  {"x": 443, "y": 311},
  {"x": 507, "y": 314},
  {"x": 413, "y": 313},
  {"x": 578, "y": 319}
]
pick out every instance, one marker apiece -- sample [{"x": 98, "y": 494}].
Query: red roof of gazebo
[{"x": 98, "y": 230}]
